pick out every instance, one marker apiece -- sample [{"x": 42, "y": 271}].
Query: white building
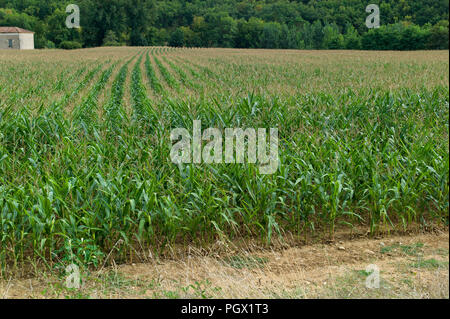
[{"x": 16, "y": 38}]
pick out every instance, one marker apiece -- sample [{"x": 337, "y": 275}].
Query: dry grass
[{"x": 311, "y": 271}]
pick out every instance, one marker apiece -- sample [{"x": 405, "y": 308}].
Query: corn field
[{"x": 85, "y": 170}]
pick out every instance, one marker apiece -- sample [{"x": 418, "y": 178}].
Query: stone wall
[{"x": 4, "y": 40}]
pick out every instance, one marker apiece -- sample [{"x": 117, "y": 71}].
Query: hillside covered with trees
[{"x": 300, "y": 24}]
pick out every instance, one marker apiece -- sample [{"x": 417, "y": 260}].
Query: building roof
[{"x": 14, "y": 30}]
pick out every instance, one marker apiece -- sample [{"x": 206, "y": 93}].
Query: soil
[{"x": 410, "y": 266}]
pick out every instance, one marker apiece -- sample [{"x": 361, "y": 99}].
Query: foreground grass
[{"x": 312, "y": 271}]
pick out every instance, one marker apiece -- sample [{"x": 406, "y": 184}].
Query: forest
[{"x": 283, "y": 24}]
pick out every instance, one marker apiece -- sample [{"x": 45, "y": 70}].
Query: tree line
[{"x": 284, "y": 24}]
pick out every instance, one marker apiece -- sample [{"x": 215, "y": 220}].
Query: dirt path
[{"x": 409, "y": 267}]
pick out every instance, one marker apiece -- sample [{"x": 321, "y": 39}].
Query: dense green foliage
[
  {"x": 301, "y": 24},
  {"x": 85, "y": 170}
]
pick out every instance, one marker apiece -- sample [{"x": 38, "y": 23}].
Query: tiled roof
[{"x": 13, "y": 30}]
